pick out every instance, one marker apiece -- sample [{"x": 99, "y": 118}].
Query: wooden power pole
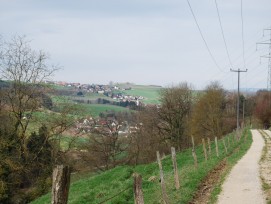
[{"x": 238, "y": 96}]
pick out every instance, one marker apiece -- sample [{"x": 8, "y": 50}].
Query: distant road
[{"x": 243, "y": 185}]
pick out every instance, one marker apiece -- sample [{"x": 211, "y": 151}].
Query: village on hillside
[{"x": 114, "y": 92}]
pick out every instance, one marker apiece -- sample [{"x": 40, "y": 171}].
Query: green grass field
[
  {"x": 95, "y": 109},
  {"x": 70, "y": 142},
  {"x": 93, "y": 96},
  {"x": 150, "y": 93},
  {"x": 116, "y": 186},
  {"x": 88, "y": 109}
]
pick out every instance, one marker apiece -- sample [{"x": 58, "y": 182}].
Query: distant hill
[
  {"x": 247, "y": 90},
  {"x": 4, "y": 84}
]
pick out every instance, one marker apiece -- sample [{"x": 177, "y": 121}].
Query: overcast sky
[{"x": 144, "y": 41}]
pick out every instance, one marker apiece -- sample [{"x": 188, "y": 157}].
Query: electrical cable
[
  {"x": 201, "y": 34},
  {"x": 243, "y": 41},
  {"x": 222, "y": 31}
]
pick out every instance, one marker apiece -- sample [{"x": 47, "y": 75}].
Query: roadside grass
[
  {"x": 116, "y": 185},
  {"x": 265, "y": 166},
  {"x": 265, "y": 150}
]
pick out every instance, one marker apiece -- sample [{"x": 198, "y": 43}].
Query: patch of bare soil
[
  {"x": 205, "y": 189},
  {"x": 265, "y": 165}
]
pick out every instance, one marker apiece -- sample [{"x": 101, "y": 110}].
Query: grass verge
[
  {"x": 265, "y": 165},
  {"x": 116, "y": 185}
]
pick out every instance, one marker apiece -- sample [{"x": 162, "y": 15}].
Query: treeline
[{"x": 182, "y": 114}]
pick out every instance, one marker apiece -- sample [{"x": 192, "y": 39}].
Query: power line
[
  {"x": 269, "y": 59},
  {"x": 236, "y": 61},
  {"x": 205, "y": 42},
  {"x": 243, "y": 33},
  {"x": 223, "y": 34},
  {"x": 255, "y": 71}
]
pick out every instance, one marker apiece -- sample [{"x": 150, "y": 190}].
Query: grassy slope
[
  {"x": 95, "y": 109},
  {"x": 89, "y": 109},
  {"x": 150, "y": 93},
  {"x": 119, "y": 181}
]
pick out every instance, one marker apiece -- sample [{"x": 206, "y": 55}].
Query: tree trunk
[{"x": 61, "y": 184}]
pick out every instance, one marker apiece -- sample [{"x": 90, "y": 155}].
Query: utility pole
[
  {"x": 238, "y": 95},
  {"x": 267, "y": 56}
]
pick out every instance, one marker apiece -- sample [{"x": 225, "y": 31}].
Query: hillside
[
  {"x": 116, "y": 185},
  {"x": 95, "y": 102},
  {"x": 149, "y": 92}
]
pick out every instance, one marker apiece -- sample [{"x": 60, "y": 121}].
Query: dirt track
[{"x": 243, "y": 185}]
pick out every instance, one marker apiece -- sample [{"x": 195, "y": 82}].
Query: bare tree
[
  {"x": 208, "y": 113},
  {"x": 26, "y": 155},
  {"x": 174, "y": 114},
  {"x": 106, "y": 148},
  {"x": 147, "y": 139},
  {"x": 26, "y": 70},
  {"x": 21, "y": 64},
  {"x": 262, "y": 109}
]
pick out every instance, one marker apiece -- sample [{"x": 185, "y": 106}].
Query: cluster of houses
[
  {"x": 92, "y": 88},
  {"x": 112, "y": 91},
  {"x": 124, "y": 97},
  {"x": 106, "y": 126}
]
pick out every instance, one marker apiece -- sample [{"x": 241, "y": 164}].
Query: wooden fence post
[
  {"x": 175, "y": 167},
  {"x": 61, "y": 185},
  {"x": 216, "y": 147},
  {"x": 204, "y": 149},
  {"x": 229, "y": 144},
  {"x": 237, "y": 136},
  {"x": 138, "y": 193},
  {"x": 193, "y": 143},
  {"x": 225, "y": 147},
  {"x": 194, "y": 154},
  {"x": 233, "y": 136},
  {"x": 246, "y": 136},
  {"x": 241, "y": 132},
  {"x": 195, "y": 158},
  {"x": 209, "y": 146},
  {"x": 163, "y": 185}
]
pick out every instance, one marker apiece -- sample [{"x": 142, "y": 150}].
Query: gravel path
[{"x": 243, "y": 185}]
